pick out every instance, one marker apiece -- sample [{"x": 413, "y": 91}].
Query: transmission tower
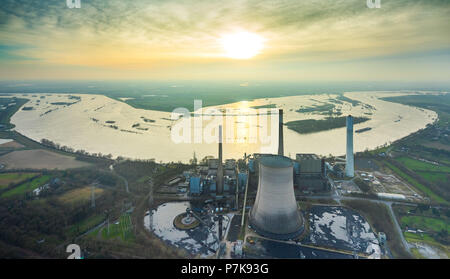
[{"x": 93, "y": 195}]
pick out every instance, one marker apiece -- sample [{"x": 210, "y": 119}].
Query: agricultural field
[
  {"x": 424, "y": 225},
  {"x": 40, "y": 159},
  {"x": 11, "y": 145},
  {"x": 7, "y": 179},
  {"x": 26, "y": 187},
  {"x": 428, "y": 171},
  {"x": 415, "y": 183},
  {"x": 80, "y": 195}
]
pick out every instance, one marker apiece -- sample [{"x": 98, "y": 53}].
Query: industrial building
[
  {"x": 310, "y": 173},
  {"x": 217, "y": 179}
]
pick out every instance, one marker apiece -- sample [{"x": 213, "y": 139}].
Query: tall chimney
[
  {"x": 220, "y": 167},
  {"x": 349, "y": 160},
  {"x": 280, "y": 133}
]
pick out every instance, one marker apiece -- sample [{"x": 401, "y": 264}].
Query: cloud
[{"x": 163, "y": 34}]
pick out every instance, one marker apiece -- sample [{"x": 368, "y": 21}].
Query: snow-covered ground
[{"x": 342, "y": 228}]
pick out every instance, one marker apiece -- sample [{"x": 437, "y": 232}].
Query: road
[{"x": 125, "y": 181}]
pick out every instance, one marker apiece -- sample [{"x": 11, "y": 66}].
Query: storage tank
[{"x": 275, "y": 213}]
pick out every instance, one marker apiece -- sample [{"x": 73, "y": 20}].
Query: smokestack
[
  {"x": 349, "y": 160},
  {"x": 220, "y": 167},
  {"x": 280, "y": 133}
]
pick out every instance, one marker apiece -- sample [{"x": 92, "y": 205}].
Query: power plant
[
  {"x": 260, "y": 190},
  {"x": 349, "y": 160},
  {"x": 275, "y": 213}
]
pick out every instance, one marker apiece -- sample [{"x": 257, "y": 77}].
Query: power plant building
[
  {"x": 310, "y": 173},
  {"x": 195, "y": 186},
  {"x": 275, "y": 213},
  {"x": 218, "y": 179}
]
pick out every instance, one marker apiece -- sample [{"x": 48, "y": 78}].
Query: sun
[{"x": 242, "y": 45}]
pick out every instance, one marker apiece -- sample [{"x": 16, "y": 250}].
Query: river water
[{"x": 98, "y": 124}]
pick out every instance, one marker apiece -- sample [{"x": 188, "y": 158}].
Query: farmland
[
  {"x": 430, "y": 172},
  {"x": 425, "y": 224},
  {"x": 79, "y": 195},
  {"x": 7, "y": 179},
  {"x": 415, "y": 183},
  {"x": 26, "y": 187},
  {"x": 39, "y": 159}
]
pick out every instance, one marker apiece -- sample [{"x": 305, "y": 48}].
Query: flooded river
[{"x": 98, "y": 124}]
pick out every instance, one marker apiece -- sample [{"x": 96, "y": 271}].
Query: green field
[
  {"x": 416, "y": 253},
  {"x": 425, "y": 223},
  {"x": 13, "y": 178},
  {"x": 414, "y": 237},
  {"x": 413, "y": 164},
  {"x": 85, "y": 224},
  {"x": 424, "y": 238},
  {"x": 26, "y": 187},
  {"x": 430, "y": 172},
  {"x": 416, "y": 184},
  {"x": 123, "y": 230},
  {"x": 433, "y": 177}
]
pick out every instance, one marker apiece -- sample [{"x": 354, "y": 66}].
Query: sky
[{"x": 308, "y": 40}]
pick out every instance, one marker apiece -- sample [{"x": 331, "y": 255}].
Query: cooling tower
[
  {"x": 349, "y": 160},
  {"x": 275, "y": 213},
  {"x": 280, "y": 133}
]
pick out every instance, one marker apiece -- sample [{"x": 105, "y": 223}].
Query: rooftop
[{"x": 276, "y": 161}]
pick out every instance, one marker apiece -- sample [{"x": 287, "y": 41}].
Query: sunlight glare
[{"x": 242, "y": 45}]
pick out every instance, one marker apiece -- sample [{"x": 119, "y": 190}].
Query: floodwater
[{"x": 98, "y": 124}]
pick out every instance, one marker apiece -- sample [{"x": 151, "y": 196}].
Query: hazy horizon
[{"x": 307, "y": 41}]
